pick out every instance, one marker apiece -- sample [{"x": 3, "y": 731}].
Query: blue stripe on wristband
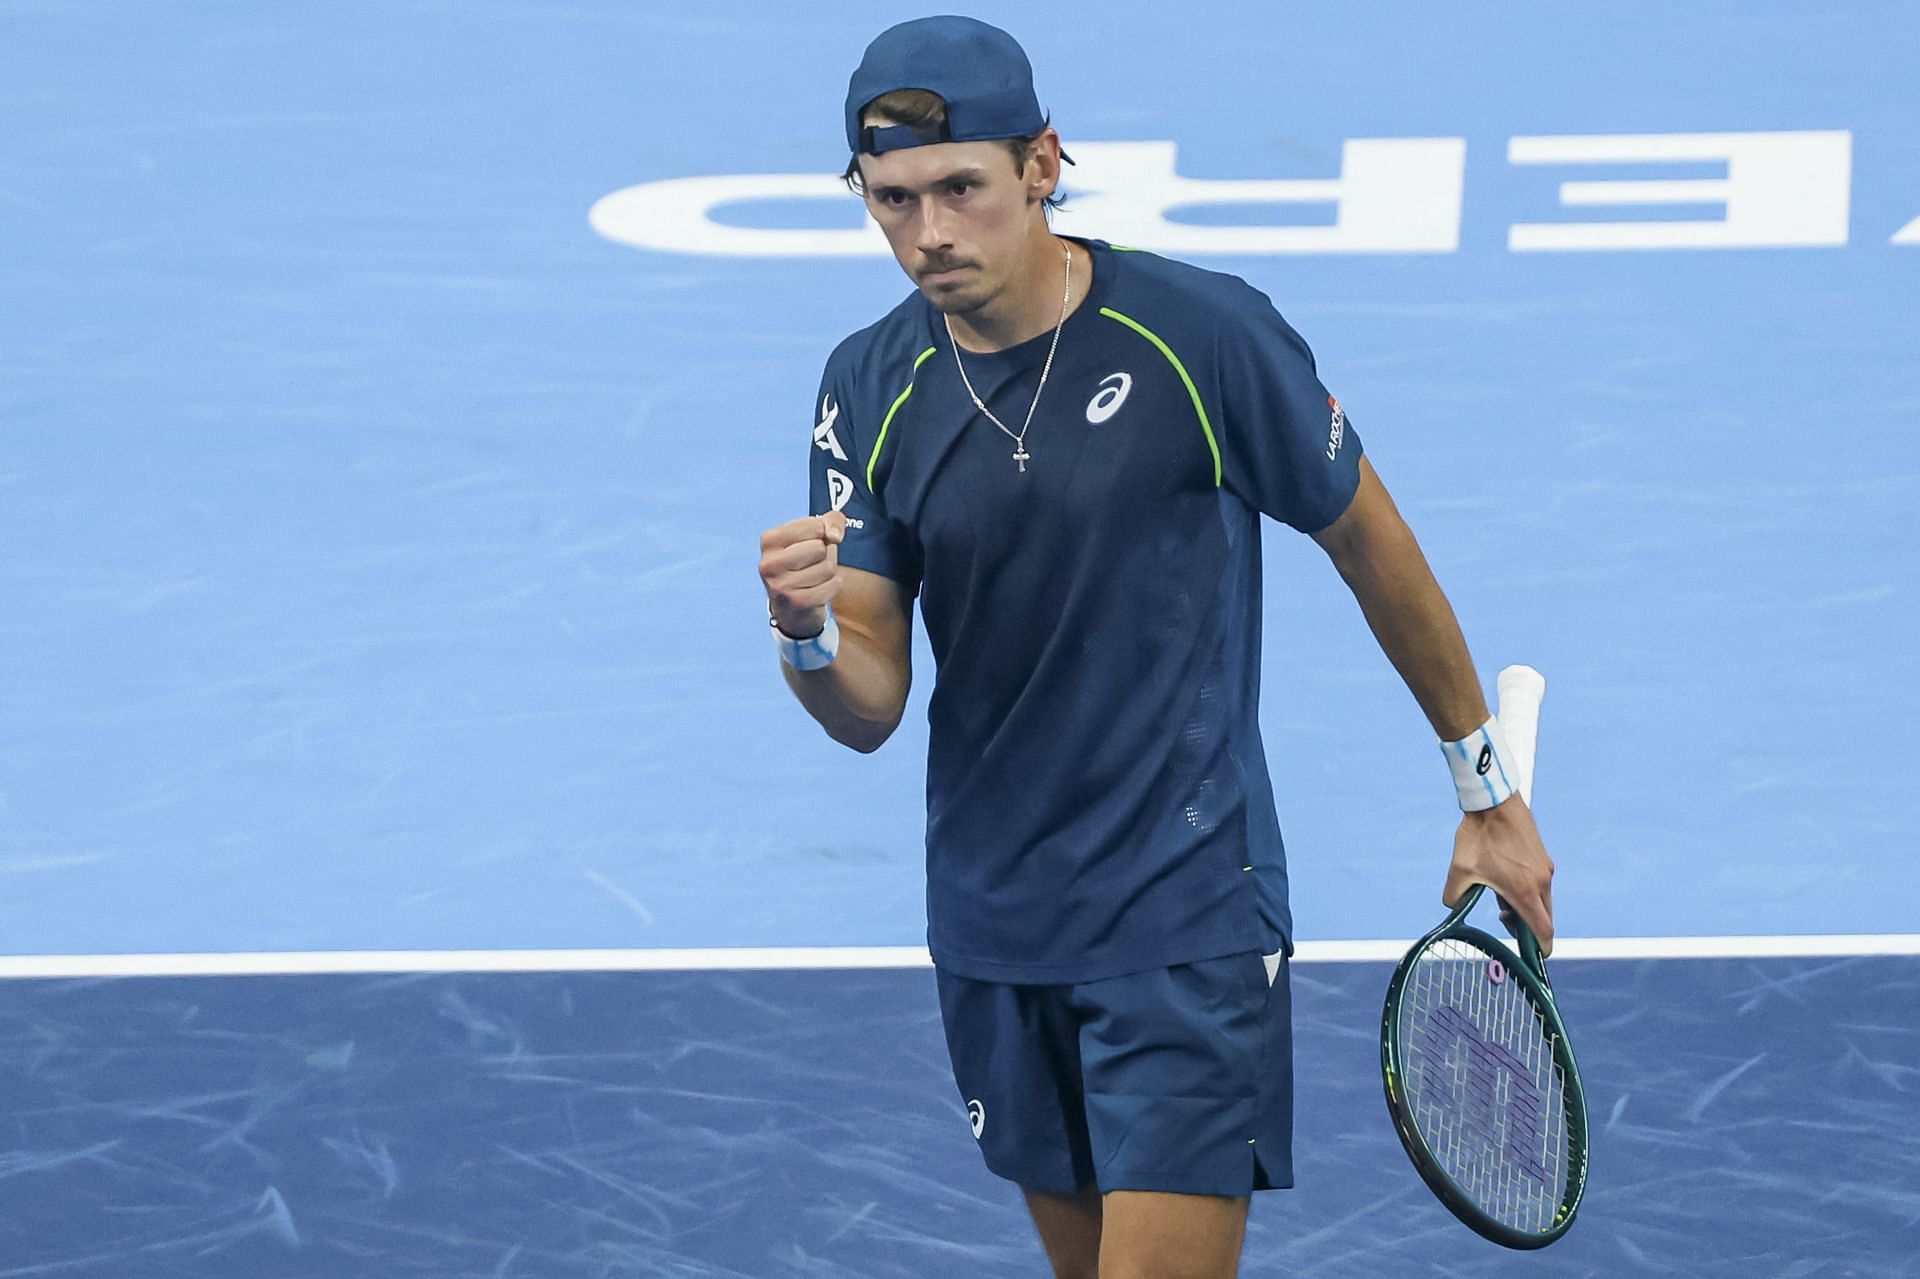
[
  {"x": 1500, "y": 763},
  {"x": 815, "y": 651},
  {"x": 1486, "y": 778},
  {"x": 1479, "y": 789}
]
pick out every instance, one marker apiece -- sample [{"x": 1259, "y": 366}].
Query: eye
[{"x": 958, "y": 188}]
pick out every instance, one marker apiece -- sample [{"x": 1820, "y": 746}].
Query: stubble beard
[{"x": 961, "y": 302}]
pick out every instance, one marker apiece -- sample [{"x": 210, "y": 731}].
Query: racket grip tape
[{"x": 1520, "y": 690}]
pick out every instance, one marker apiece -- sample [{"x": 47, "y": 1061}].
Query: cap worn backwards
[{"x": 978, "y": 70}]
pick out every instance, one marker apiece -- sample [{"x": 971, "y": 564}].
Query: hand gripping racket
[{"x": 1481, "y": 1081}]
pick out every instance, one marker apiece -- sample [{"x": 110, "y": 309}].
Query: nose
[{"x": 934, "y": 227}]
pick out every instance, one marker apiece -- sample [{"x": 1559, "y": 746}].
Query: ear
[{"x": 1045, "y": 179}]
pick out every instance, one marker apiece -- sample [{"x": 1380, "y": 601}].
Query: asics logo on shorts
[
  {"x": 977, "y": 1116},
  {"x": 1111, "y": 397}
]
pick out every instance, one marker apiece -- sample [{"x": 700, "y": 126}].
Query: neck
[{"x": 1032, "y": 306}]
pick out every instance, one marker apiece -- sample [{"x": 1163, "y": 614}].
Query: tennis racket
[{"x": 1480, "y": 1077}]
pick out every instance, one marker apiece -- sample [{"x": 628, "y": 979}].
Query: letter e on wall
[{"x": 1781, "y": 190}]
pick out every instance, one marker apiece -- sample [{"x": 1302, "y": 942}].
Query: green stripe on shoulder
[
  {"x": 1193, "y": 392},
  {"x": 898, "y": 400}
]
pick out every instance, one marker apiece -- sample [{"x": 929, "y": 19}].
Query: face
[{"x": 957, "y": 216}]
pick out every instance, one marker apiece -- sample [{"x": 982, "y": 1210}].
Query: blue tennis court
[
  {"x": 1751, "y": 1117},
  {"x": 411, "y": 861}
]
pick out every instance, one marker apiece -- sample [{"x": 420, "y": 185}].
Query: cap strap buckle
[{"x": 894, "y": 137}]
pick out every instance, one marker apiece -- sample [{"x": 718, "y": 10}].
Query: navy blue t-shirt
[{"x": 1097, "y": 794}]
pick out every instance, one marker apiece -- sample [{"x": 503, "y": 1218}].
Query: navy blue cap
[{"x": 980, "y": 71}]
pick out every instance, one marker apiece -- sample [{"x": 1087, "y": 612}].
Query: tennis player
[{"x": 1064, "y": 448}]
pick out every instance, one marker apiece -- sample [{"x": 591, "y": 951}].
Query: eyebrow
[{"x": 974, "y": 174}]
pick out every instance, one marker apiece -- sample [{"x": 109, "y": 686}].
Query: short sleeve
[
  {"x": 839, "y": 483},
  {"x": 1287, "y": 448}
]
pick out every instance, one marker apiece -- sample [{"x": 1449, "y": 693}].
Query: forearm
[
  {"x": 858, "y": 698},
  {"x": 1382, "y": 564}
]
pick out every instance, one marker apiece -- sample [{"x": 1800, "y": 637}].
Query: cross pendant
[{"x": 1021, "y": 455}]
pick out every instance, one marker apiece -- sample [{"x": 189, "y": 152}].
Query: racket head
[{"x": 1482, "y": 1084}]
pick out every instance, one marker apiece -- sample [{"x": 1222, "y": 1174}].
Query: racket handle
[
  {"x": 1520, "y": 689},
  {"x": 1530, "y": 955}
]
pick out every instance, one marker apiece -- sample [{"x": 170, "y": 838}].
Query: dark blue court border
[{"x": 1752, "y": 1118}]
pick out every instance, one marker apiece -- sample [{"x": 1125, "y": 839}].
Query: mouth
[{"x": 949, "y": 276}]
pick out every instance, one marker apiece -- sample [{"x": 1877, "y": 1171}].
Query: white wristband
[
  {"x": 812, "y": 653},
  {"x": 1482, "y": 767}
]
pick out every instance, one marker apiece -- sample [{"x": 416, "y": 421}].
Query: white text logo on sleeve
[
  {"x": 839, "y": 489},
  {"x": 823, "y": 436}
]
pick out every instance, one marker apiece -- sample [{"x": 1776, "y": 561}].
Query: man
[{"x": 1064, "y": 449}]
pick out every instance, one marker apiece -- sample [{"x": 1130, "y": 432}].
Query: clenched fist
[{"x": 800, "y": 565}]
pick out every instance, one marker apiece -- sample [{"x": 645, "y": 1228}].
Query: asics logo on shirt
[
  {"x": 1111, "y": 397},
  {"x": 977, "y": 1116},
  {"x": 823, "y": 436}
]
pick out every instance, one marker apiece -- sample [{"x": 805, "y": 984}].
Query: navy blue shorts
[{"x": 1174, "y": 1079}]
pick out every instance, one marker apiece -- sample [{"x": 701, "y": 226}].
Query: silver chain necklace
[{"x": 1020, "y": 453}]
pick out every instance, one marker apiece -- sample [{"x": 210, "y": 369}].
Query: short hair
[{"x": 921, "y": 108}]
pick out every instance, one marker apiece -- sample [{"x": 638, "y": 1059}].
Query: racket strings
[{"x": 1485, "y": 1091}]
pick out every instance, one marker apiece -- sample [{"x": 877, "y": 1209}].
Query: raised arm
[{"x": 861, "y": 696}]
